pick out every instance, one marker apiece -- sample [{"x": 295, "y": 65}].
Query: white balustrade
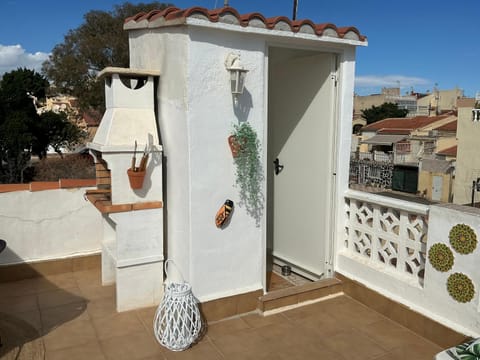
[
  {"x": 385, "y": 248},
  {"x": 388, "y": 233}
]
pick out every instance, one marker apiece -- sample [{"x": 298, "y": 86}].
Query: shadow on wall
[
  {"x": 243, "y": 106},
  {"x": 30, "y": 308}
]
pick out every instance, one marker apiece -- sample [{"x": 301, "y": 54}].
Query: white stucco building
[{"x": 298, "y": 97}]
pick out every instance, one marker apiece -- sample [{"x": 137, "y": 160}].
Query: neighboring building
[
  {"x": 417, "y": 104},
  {"x": 468, "y": 159},
  {"x": 448, "y": 153},
  {"x": 87, "y": 121},
  {"x": 425, "y": 134},
  {"x": 388, "y": 95},
  {"x": 436, "y": 173},
  {"x": 435, "y": 179},
  {"x": 58, "y": 103},
  {"x": 411, "y": 146},
  {"x": 440, "y": 101}
]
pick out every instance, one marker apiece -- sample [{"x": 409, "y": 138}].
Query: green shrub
[{"x": 75, "y": 166}]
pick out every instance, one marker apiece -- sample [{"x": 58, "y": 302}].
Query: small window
[
  {"x": 402, "y": 147},
  {"x": 428, "y": 147}
]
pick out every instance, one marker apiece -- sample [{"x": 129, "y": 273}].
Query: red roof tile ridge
[
  {"x": 297, "y": 24},
  {"x": 273, "y": 21},
  {"x": 345, "y": 29},
  {"x": 216, "y": 13},
  {"x": 155, "y": 14},
  {"x": 254, "y": 15},
  {"x": 211, "y": 15},
  {"x": 173, "y": 13},
  {"x": 151, "y": 15},
  {"x": 321, "y": 28},
  {"x": 135, "y": 17}
]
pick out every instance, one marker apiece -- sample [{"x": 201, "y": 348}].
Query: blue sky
[{"x": 416, "y": 44}]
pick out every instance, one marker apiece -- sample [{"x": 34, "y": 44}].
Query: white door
[
  {"x": 437, "y": 185},
  {"x": 301, "y": 142}
]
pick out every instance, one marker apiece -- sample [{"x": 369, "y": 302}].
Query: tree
[
  {"x": 15, "y": 140},
  {"x": 384, "y": 111},
  {"x": 99, "y": 42},
  {"x": 17, "y": 115},
  {"x": 19, "y": 87},
  {"x": 54, "y": 130},
  {"x": 22, "y": 131}
]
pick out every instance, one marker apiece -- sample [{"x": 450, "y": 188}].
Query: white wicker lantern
[{"x": 177, "y": 322}]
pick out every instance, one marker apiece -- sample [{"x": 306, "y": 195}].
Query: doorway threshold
[{"x": 296, "y": 295}]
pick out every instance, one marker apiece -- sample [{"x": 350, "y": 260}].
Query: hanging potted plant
[
  {"x": 234, "y": 145},
  {"x": 245, "y": 148},
  {"x": 136, "y": 175}
]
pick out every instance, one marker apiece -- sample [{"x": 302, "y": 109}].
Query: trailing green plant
[
  {"x": 469, "y": 350},
  {"x": 460, "y": 287},
  {"x": 463, "y": 239},
  {"x": 249, "y": 173},
  {"x": 441, "y": 257}
]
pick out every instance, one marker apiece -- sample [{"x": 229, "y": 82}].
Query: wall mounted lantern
[{"x": 237, "y": 75}]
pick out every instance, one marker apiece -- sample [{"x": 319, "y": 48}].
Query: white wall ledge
[{"x": 388, "y": 201}]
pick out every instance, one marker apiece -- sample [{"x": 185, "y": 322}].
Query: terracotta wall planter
[
  {"x": 234, "y": 145},
  {"x": 136, "y": 178}
]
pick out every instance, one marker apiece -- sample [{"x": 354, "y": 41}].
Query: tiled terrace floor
[{"x": 71, "y": 316}]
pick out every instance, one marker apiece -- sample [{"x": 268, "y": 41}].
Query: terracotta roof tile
[
  {"x": 451, "y": 126},
  {"x": 155, "y": 14},
  {"x": 172, "y": 16},
  {"x": 254, "y": 20},
  {"x": 451, "y": 151},
  {"x": 404, "y": 123},
  {"x": 394, "y": 131},
  {"x": 349, "y": 32}
]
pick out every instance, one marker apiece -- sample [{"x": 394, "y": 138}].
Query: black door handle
[{"x": 278, "y": 166}]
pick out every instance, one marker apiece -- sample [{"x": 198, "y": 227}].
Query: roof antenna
[{"x": 295, "y": 8}]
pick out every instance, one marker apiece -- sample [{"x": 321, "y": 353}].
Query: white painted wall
[
  {"x": 168, "y": 52},
  {"x": 344, "y": 108},
  {"x": 437, "y": 300},
  {"x": 230, "y": 260},
  {"x": 196, "y": 115},
  {"x": 46, "y": 225}
]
